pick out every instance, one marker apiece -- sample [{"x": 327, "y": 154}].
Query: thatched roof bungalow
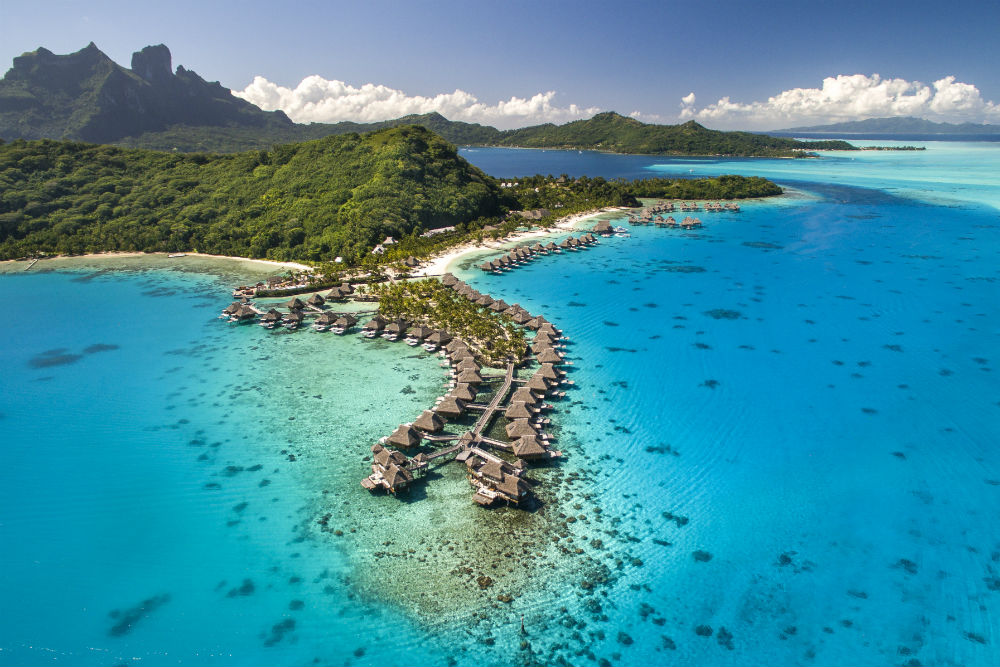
[
  {"x": 450, "y": 407},
  {"x": 529, "y": 447},
  {"x": 465, "y": 392},
  {"x": 518, "y": 410},
  {"x": 316, "y": 301},
  {"x": 295, "y": 303},
  {"x": 549, "y": 356},
  {"x": 429, "y": 422},
  {"x": 405, "y": 436}
]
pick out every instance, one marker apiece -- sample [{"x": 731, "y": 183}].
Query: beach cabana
[
  {"x": 405, "y": 436},
  {"x": 429, "y": 422},
  {"x": 450, "y": 407}
]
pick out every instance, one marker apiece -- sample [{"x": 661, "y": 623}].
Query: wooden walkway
[{"x": 494, "y": 405}]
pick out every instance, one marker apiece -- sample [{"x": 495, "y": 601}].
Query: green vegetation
[
  {"x": 311, "y": 201},
  {"x": 616, "y": 133},
  {"x": 428, "y": 302},
  {"x": 315, "y": 201}
]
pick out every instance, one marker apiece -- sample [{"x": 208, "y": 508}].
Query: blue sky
[{"x": 639, "y": 57}]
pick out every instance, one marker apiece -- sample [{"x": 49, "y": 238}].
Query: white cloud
[
  {"x": 316, "y": 99},
  {"x": 849, "y": 97}
]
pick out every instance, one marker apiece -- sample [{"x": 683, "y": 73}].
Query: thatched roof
[
  {"x": 271, "y": 316},
  {"x": 397, "y": 326},
  {"x": 386, "y": 457},
  {"x": 470, "y": 376},
  {"x": 346, "y": 288},
  {"x": 528, "y": 447},
  {"x": 420, "y": 331},
  {"x": 450, "y": 407},
  {"x": 566, "y": 244},
  {"x": 524, "y": 395},
  {"x": 537, "y": 248},
  {"x": 405, "y": 436},
  {"x": 374, "y": 324},
  {"x": 499, "y": 306},
  {"x": 294, "y": 304},
  {"x": 533, "y": 323},
  {"x": 429, "y": 422},
  {"x": 486, "y": 266},
  {"x": 453, "y": 343},
  {"x": 231, "y": 308},
  {"x": 244, "y": 312},
  {"x": 485, "y": 300},
  {"x": 448, "y": 280},
  {"x": 549, "y": 356},
  {"x": 346, "y": 320},
  {"x": 520, "y": 427},
  {"x": 316, "y": 300},
  {"x": 538, "y": 383},
  {"x": 602, "y": 227},
  {"x": 467, "y": 363},
  {"x": 551, "y": 246},
  {"x": 492, "y": 469},
  {"x": 518, "y": 410},
  {"x": 294, "y": 316},
  {"x": 397, "y": 477},
  {"x": 549, "y": 372},
  {"x": 326, "y": 319},
  {"x": 439, "y": 337},
  {"x": 512, "y": 486},
  {"x": 464, "y": 391},
  {"x": 335, "y": 294},
  {"x": 521, "y": 317}
]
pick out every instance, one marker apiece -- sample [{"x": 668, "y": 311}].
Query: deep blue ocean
[{"x": 781, "y": 449}]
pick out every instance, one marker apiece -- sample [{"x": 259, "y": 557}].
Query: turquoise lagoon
[{"x": 781, "y": 449}]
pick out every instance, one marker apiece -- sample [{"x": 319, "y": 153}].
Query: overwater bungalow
[
  {"x": 521, "y": 317},
  {"x": 243, "y": 313},
  {"x": 498, "y": 306},
  {"x": 526, "y": 396},
  {"x": 542, "y": 343},
  {"x": 520, "y": 427},
  {"x": 465, "y": 392},
  {"x": 486, "y": 266},
  {"x": 538, "y": 249},
  {"x": 485, "y": 301},
  {"x": 566, "y": 245},
  {"x": 390, "y": 470},
  {"x": 671, "y": 222},
  {"x": 549, "y": 356},
  {"x": 534, "y": 323},
  {"x": 469, "y": 376},
  {"x": 454, "y": 344},
  {"x": 417, "y": 334},
  {"x": 450, "y": 407},
  {"x": 518, "y": 410},
  {"x": 552, "y": 247},
  {"x": 466, "y": 364},
  {"x": 538, "y": 383},
  {"x": 324, "y": 321},
  {"x": 372, "y": 328},
  {"x": 270, "y": 319},
  {"x": 316, "y": 301},
  {"x": 603, "y": 227},
  {"x": 293, "y": 319},
  {"x": 494, "y": 481},
  {"x": 395, "y": 329},
  {"x": 429, "y": 422},
  {"x": 448, "y": 280},
  {"x": 346, "y": 289},
  {"x": 529, "y": 447},
  {"x": 549, "y": 372},
  {"x": 550, "y": 328},
  {"x": 294, "y": 304},
  {"x": 436, "y": 339},
  {"x": 228, "y": 311},
  {"x": 343, "y": 323},
  {"x": 405, "y": 436}
]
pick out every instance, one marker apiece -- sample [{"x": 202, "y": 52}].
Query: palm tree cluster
[{"x": 495, "y": 337}]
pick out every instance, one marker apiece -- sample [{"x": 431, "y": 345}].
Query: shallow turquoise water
[{"x": 787, "y": 421}]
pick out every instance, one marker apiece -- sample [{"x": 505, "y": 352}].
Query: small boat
[{"x": 176, "y": 254}]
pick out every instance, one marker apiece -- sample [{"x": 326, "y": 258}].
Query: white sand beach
[{"x": 439, "y": 264}]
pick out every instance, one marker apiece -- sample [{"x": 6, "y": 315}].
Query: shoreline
[
  {"x": 8, "y": 263},
  {"x": 438, "y": 264}
]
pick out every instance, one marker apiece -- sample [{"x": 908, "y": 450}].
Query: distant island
[
  {"x": 905, "y": 125},
  {"x": 86, "y": 96},
  {"x": 317, "y": 201}
]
